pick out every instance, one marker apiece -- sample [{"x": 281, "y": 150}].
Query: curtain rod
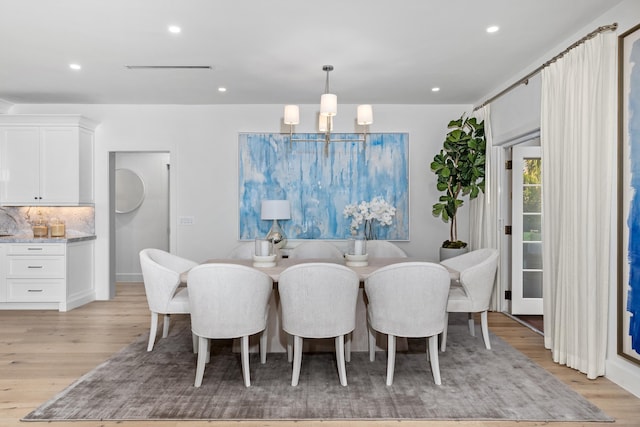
[{"x": 525, "y": 79}]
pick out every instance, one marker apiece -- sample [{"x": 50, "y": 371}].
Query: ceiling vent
[{"x": 169, "y": 67}]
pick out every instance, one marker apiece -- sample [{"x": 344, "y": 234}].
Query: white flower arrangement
[{"x": 368, "y": 213}]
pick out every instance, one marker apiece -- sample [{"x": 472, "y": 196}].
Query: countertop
[{"x": 28, "y": 238}]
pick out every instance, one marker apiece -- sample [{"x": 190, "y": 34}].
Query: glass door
[{"x": 527, "y": 226}]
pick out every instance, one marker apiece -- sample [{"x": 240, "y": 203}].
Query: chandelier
[{"x": 328, "y": 109}]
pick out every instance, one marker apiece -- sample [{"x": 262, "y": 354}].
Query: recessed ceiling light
[
  {"x": 435, "y": 89},
  {"x": 222, "y": 89},
  {"x": 174, "y": 29},
  {"x": 75, "y": 66},
  {"x": 493, "y": 29}
]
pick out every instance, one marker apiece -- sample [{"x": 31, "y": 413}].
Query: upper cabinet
[{"x": 46, "y": 160}]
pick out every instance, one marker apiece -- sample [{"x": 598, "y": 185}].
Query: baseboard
[
  {"x": 624, "y": 373},
  {"x": 129, "y": 277}
]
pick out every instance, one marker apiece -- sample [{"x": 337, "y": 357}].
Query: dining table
[{"x": 277, "y": 338}]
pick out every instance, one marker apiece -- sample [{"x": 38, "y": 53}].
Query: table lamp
[{"x": 275, "y": 210}]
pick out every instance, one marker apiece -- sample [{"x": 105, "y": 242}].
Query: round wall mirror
[{"x": 129, "y": 190}]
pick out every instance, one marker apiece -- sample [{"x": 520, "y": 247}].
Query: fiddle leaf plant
[{"x": 460, "y": 169}]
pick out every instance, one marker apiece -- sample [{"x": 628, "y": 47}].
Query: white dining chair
[
  {"x": 407, "y": 300},
  {"x": 384, "y": 249},
  {"x": 244, "y": 250},
  {"x": 316, "y": 249},
  {"x": 318, "y": 301},
  {"x": 471, "y": 293},
  {"x": 162, "y": 273},
  {"x": 228, "y": 301}
]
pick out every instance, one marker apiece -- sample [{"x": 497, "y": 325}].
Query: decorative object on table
[
  {"x": 264, "y": 254},
  {"x": 356, "y": 255},
  {"x": 460, "y": 169},
  {"x": 328, "y": 109},
  {"x": 321, "y": 188},
  {"x": 275, "y": 210},
  {"x": 377, "y": 211}
]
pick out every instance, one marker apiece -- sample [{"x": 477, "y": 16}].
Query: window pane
[
  {"x": 532, "y": 228},
  {"x": 532, "y": 284},
  {"x": 531, "y": 172},
  {"x": 532, "y": 199},
  {"x": 532, "y": 256}
]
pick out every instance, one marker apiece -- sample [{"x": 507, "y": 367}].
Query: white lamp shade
[
  {"x": 365, "y": 114},
  {"x": 275, "y": 209},
  {"x": 291, "y": 115},
  {"x": 325, "y": 123},
  {"x": 328, "y": 104}
]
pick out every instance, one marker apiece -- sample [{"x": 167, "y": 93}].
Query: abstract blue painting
[
  {"x": 320, "y": 179},
  {"x": 629, "y": 333}
]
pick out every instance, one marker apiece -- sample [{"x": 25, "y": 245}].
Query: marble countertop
[{"x": 28, "y": 238}]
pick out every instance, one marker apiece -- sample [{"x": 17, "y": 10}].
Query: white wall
[
  {"x": 148, "y": 225},
  {"x": 202, "y": 142},
  {"x": 519, "y": 113}
]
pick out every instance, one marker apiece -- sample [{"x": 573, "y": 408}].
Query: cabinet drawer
[
  {"x": 35, "y": 249},
  {"x": 43, "y": 290},
  {"x": 32, "y": 266}
]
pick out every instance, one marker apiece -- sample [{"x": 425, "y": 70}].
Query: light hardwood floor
[{"x": 44, "y": 351}]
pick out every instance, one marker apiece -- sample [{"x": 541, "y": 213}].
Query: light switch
[{"x": 186, "y": 220}]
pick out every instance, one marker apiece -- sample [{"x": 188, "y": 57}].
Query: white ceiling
[{"x": 272, "y": 51}]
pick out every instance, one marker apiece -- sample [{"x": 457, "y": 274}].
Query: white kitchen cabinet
[
  {"x": 47, "y": 275},
  {"x": 46, "y": 160}
]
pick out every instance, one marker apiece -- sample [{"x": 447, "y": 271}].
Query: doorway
[{"x": 139, "y": 212}]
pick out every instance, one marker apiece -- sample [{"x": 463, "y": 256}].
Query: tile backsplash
[{"x": 18, "y": 219}]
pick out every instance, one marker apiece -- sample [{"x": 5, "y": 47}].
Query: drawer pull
[
  {"x": 34, "y": 266},
  {"x": 34, "y": 249},
  {"x": 34, "y": 290}
]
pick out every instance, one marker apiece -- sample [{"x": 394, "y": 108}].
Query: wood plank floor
[{"x": 44, "y": 351}]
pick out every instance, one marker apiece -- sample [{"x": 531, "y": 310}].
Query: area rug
[{"x": 477, "y": 384}]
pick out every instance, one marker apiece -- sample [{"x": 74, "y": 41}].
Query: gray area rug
[{"x": 477, "y": 384}]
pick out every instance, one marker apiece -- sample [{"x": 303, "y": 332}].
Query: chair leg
[
  {"x": 297, "y": 359},
  {"x": 263, "y": 347},
  {"x": 165, "y": 328},
  {"x": 433, "y": 353},
  {"x": 153, "y": 331},
  {"x": 391, "y": 358},
  {"x": 443, "y": 342},
  {"x": 484, "y": 322},
  {"x": 472, "y": 326},
  {"x": 347, "y": 347},
  {"x": 203, "y": 346},
  {"x": 289, "y": 348},
  {"x": 194, "y": 343},
  {"x": 372, "y": 344},
  {"x": 342, "y": 370},
  {"x": 244, "y": 348}
]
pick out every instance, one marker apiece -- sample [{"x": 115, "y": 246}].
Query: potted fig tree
[{"x": 460, "y": 169}]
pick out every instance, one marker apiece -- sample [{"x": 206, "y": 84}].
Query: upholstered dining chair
[
  {"x": 384, "y": 249},
  {"x": 471, "y": 293},
  {"x": 162, "y": 273},
  {"x": 408, "y": 300},
  {"x": 228, "y": 301},
  {"x": 318, "y": 301},
  {"x": 316, "y": 249},
  {"x": 244, "y": 250}
]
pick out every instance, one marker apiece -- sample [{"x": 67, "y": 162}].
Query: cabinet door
[
  {"x": 19, "y": 159},
  {"x": 59, "y": 152}
]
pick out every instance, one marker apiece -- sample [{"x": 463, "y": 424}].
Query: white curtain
[
  {"x": 483, "y": 210},
  {"x": 577, "y": 135}
]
